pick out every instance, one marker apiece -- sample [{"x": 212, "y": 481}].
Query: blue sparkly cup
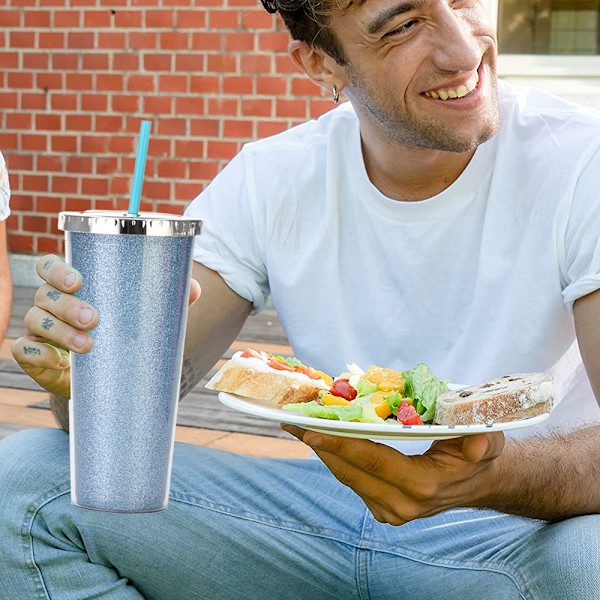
[{"x": 124, "y": 392}]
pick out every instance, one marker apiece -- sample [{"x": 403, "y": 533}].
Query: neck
[{"x": 404, "y": 173}]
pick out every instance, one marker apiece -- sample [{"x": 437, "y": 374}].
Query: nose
[{"x": 456, "y": 47}]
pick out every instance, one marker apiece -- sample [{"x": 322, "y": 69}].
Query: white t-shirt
[
  {"x": 4, "y": 190},
  {"x": 477, "y": 282}
]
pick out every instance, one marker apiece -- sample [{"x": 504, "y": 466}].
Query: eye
[{"x": 404, "y": 28}]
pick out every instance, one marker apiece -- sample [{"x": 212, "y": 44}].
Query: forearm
[{"x": 550, "y": 478}]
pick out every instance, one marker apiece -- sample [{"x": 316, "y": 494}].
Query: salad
[{"x": 377, "y": 395}]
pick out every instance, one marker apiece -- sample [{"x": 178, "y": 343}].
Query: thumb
[
  {"x": 482, "y": 447},
  {"x": 195, "y": 292}
]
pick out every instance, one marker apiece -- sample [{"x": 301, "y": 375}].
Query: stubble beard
[{"x": 423, "y": 132}]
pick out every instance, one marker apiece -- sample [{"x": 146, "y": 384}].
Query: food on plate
[
  {"x": 378, "y": 395},
  {"x": 264, "y": 376},
  {"x": 508, "y": 398}
]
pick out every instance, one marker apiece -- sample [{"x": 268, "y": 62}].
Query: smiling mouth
[{"x": 455, "y": 93}]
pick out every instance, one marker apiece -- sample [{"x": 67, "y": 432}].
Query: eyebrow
[{"x": 401, "y": 8}]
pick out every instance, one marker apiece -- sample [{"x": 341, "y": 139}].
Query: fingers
[
  {"x": 483, "y": 447},
  {"x": 57, "y": 273},
  {"x": 31, "y": 352},
  {"x": 195, "y": 291},
  {"x": 46, "y": 325},
  {"x": 66, "y": 307}
]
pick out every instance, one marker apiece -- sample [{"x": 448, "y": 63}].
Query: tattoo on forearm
[
  {"x": 47, "y": 264},
  {"x": 53, "y": 295},
  {"x": 32, "y": 350},
  {"x": 47, "y": 323},
  {"x": 189, "y": 379}
]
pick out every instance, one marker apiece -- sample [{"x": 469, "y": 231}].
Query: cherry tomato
[
  {"x": 343, "y": 389},
  {"x": 280, "y": 366},
  {"x": 250, "y": 354},
  {"x": 407, "y": 415}
]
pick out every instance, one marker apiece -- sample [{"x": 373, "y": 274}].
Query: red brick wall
[{"x": 76, "y": 79}]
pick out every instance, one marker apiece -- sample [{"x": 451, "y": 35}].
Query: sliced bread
[{"x": 508, "y": 398}]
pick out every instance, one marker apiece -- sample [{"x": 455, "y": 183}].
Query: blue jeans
[{"x": 261, "y": 529}]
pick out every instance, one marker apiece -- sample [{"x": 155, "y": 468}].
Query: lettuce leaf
[
  {"x": 423, "y": 387},
  {"x": 353, "y": 412},
  {"x": 364, "y": 388}
]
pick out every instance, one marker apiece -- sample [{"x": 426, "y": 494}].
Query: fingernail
[
  {"x": 80, "y": 339},
  {"x": 65, "y": 361},
  {"x": 69, "y": 279},
  {"x": 85, "y": 315}
]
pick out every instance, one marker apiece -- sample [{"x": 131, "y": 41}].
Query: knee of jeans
[{"x": 33, "y": 462}]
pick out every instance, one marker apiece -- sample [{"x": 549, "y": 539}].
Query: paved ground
[{"x": 201, "y": 419}]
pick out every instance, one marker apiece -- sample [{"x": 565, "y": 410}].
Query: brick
[
  {"x": 11, "y": 18},
  {"x": 189, "y": 62},
  {"x": 63, "y": 102},
  {"x": 48, "y": 122},
  {"x": 271, "y": 86},
  {"x": 48, "y": 204},
  {"x": 189, "y": 148},
  {"x": 224, "y": 19},
  {"x": 34, "y": 18},
  {"x": 20, "y": 79},
  {"x": 158, "y": 105},
  {"x": 111, "y": 40},
  {"x": 83, "y": 2},
  {"x": 157, "y": 189},
  {"x": 159, "y": 147},
  {"x": 239, "y": 42},
  {"x": 119, "y": 185},
  {"x": 273, "y": 41},
  {"x": 105, "y": 165},
  {"x": 77, "y": 204},
  {"x": 126, "y": 62},
  {"x": 95, "y": 19},
  {"x": 217, "y": 149},
  {"x": 49, "y": 81},
  {"x": 222, "y": 63},
  {"x": 191, "y": 19},
  {"x": 121, "y": 144},
  {"x": 238, "y": 129},
  {"x": 204, "y": 84},
  {"x": 95, "y": 144},
  {"x": 173, "y": 83},
  {"x": 172, "y": 169},
  {"x": 65, "y": 61},
  {"x": 94, "y": 102},
  {"x": 8, "y": 99},
  {"x": 251, "y": 3},
  {"x": 125, "y": 104},
  {"x": 79, "y": 81},
  {"x": 174, "y": 40},
  {"x": 303, "y": 86},
  {"x": 109, "y": 82},
  {"x": 269, "y": 128},
  {"x": 49, "y": 162},
  {"x": 257, "y": 107},
  {"x": 160, "y": 18},
  {"x": 79, "y": 164},
  {"x": 255, "y": 63},
  {"x": 188, "y": 106},
  {"x": 128, "y": 18},
  {"x": 9, "y": 141},
  {"x": 48, "y": 39},
  {"x": 65, "y": 185},
  {"x": 141, "y": 83},
  {"x": 109, "y": 123},
  {"x": 67, "y": 19},
  {"x": 208, "y": 41},
  {"x": 158, "y": 62},
  {"x": 186, "y": 191},
  {"x": 238, "y": 85},
  {"x": 143, "y": 40},
  {"x": 80, "y": 39},
  {"x": 22, "y": 39},
  {"x": 94, "y": 187},
  {"x": 223, "y": 106},
  {"x": 204, "y": 127},
  {"x": 21, "y": 202},
  {"x": 49, "y": 245},
  {"x": 257, "y": 19},
  {"x": 31, "y": 223},
  {"x": 291, "y": 108},
  {"x": 33, "y": 60},
  {"x": 33, "y": 101},
  {"x": 19, "y": 120},
  {"x": 319, "y": 107},
  {"x": 95, "y": 62},
  {"x": 172, "y": 127},
  {"x": 63, "y": 143},
  {"x": 284, "y": 64},
  {"x": 20, "y": 243},
  {"x": 10, "y": 60}
]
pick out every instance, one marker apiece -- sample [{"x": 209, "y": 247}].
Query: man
[
  {"x": 430, "y": 219},
  {"x": 5, "y": 277}
]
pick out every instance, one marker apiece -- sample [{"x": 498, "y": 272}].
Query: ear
[{"x": 318, "y": 65}]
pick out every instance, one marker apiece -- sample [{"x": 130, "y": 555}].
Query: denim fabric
[{"x": 247, "y": 528}]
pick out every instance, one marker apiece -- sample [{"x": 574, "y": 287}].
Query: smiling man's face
[{"x": 421, "y": 72}]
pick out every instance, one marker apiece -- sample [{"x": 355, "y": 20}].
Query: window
[{"x": 547, "y": 37}]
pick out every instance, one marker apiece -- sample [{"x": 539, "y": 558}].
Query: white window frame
[{"x": 540, "y": 65}]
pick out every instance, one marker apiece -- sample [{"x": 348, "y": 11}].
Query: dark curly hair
[{"x": 307, "y": 21}]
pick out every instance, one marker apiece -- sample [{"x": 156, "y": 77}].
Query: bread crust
[
  {"x": 272, "y": 387},
  {"x": 509, "y": 398}
]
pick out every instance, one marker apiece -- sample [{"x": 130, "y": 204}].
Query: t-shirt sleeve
[
  {"x": 231, "y": 229},
  {"x": 4, "y": 190},
  {"x": 582, "y": 236}
]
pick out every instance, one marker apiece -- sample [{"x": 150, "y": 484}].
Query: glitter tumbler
[{"x": 124, "y": 392}]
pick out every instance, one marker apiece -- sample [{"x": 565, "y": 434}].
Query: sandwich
[
  {"x": 509, "y": 398},
  {"x": 272, "y": 378}
]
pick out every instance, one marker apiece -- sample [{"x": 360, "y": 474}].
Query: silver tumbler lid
[{"x": 114, "y": 222}]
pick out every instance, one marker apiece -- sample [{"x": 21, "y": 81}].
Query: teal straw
[{"x": 138, "y": 173}]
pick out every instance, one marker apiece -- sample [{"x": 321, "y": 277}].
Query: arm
[
  {"x": 552, "y": 478},
  {"x": 5, "y": 283}
]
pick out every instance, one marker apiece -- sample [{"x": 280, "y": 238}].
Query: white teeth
[{"x": 459, "y": 92}]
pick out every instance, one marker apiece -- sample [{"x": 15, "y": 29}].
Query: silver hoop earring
[{"x": 336, "y": 95}]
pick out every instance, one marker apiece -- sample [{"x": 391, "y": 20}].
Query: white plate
[{"x": 373, "y": 431}]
